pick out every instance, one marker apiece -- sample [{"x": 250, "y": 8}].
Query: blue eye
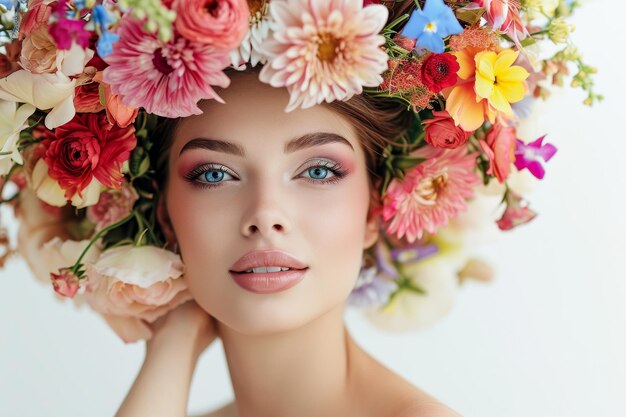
[
  {"x": 318, "y": 172},
  {"x": 211, "y": 175}
]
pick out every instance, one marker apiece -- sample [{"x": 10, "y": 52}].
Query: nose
[{"x": 266, "y": 213}]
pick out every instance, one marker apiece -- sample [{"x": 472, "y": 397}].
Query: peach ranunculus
[
  {"x": 441, "y": 132},
  {"x": 221, "y": 23},
  {"x": 131, "y": 285},
  {"x": 39, "y": 52},
  {"x": 41, "y": 55},
  {"x": 499, "y": 146},
  {"x": 117, "y": 112}
]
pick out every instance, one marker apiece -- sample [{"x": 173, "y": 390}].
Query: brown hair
[{"x": 378, "y": 121}]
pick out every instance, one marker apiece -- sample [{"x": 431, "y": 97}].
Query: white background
[{"x": 546, "y": 339}]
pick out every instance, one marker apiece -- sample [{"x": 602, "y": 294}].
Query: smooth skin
[{"x": 289, "y": 353}]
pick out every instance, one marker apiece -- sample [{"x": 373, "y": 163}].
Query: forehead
[{"x": 253, "y": 116}]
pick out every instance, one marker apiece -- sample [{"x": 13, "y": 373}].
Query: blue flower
[
  {"x": 107, "y": 39},
  {"x": 429, "y": 26},
  {"x": 105, "y": 43}
]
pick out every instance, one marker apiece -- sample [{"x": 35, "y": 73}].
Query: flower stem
[{"x": 93, "y": 240}]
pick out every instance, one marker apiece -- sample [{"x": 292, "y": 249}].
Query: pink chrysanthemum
[
  {"x": 166, "y": 79},
  {"x": 324, "y": 50},
  {"x": 431, "y": 193}
]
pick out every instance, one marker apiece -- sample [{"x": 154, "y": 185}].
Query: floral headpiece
[{"x": 83, "y": 84}]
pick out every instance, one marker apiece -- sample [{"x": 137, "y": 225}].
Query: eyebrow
[{"x": 306, "y": 141}]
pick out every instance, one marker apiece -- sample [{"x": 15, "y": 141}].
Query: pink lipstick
[{"x": 275, "y": 271}]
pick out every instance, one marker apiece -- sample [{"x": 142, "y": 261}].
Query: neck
[{"x": 303, "y": 372}]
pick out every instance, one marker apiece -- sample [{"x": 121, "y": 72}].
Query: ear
[
  {"x": 164, "y": 221},
  {"x": 372, "y": 228}
]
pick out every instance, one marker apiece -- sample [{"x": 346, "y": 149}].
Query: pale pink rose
[
  {"x": 221, "y": 23},
  {"x": 131, "y": 283},
  {"x": 112, "y": 206},
  {"x": 499, "y": 147}
]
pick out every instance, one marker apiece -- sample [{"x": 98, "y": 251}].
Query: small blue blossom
[
  {"x": 107, "y": 39},
  {"x": 8, "y": 4},
  {"x": 105, "y": 43},
  {"x": 429, "y": 26}
]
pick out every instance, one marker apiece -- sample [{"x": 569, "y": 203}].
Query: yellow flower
[{"x": 498, "y": 81}]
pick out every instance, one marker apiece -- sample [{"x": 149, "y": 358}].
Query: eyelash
[{"x": 192, "y": 177}]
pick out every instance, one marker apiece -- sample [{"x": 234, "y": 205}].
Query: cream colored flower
[
  {"x": 559, "y": 30},
  {"x": 12, "y": 122},
  {"x": 49, "y": 190},
  {"x": 54, "y": 92},
  {"x": 410, "y": 311}
]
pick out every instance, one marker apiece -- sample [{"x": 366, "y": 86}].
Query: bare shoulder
[
  {"x": 389, "y": 394},
  {"x": 424, "y": 408},
  {"x": 227, "y": 410}
]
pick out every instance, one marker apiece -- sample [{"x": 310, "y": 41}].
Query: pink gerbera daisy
[
  {"x": 324, "y": 50},
  {"x": 431, "y": 193},
  {"x": 165, "y": 78}
]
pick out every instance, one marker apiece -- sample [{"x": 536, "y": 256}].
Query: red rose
[
  {"x": 439, "y": 71},
  {"x": 88, "y": 147},
  {"x": 441, "y": 132}
]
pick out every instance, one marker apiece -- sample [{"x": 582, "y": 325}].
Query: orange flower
[{"x": 466, "y": 108}]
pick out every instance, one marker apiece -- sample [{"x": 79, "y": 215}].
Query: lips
[
  {"x": 268, "y": 282},
  {"x": 267, "y": 258}
]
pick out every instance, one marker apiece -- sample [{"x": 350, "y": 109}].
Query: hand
[{"x": 186, "y": 324}]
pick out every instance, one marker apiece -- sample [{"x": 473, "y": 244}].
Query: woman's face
[{"x": 279, "y": 193}]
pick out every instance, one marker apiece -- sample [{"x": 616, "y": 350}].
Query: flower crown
[{"x": 83, "y": 85}]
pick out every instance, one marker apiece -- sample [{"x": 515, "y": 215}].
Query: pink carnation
[
  {"x": 167, "y": 79},
  {"x": 431, "y": 193},
  {"x": 221, "y": 23}
]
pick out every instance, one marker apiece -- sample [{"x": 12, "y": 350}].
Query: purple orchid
[{"x": 528, "y": 156}]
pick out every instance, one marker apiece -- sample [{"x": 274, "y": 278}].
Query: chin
[{"x": 264, "y": 314}]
